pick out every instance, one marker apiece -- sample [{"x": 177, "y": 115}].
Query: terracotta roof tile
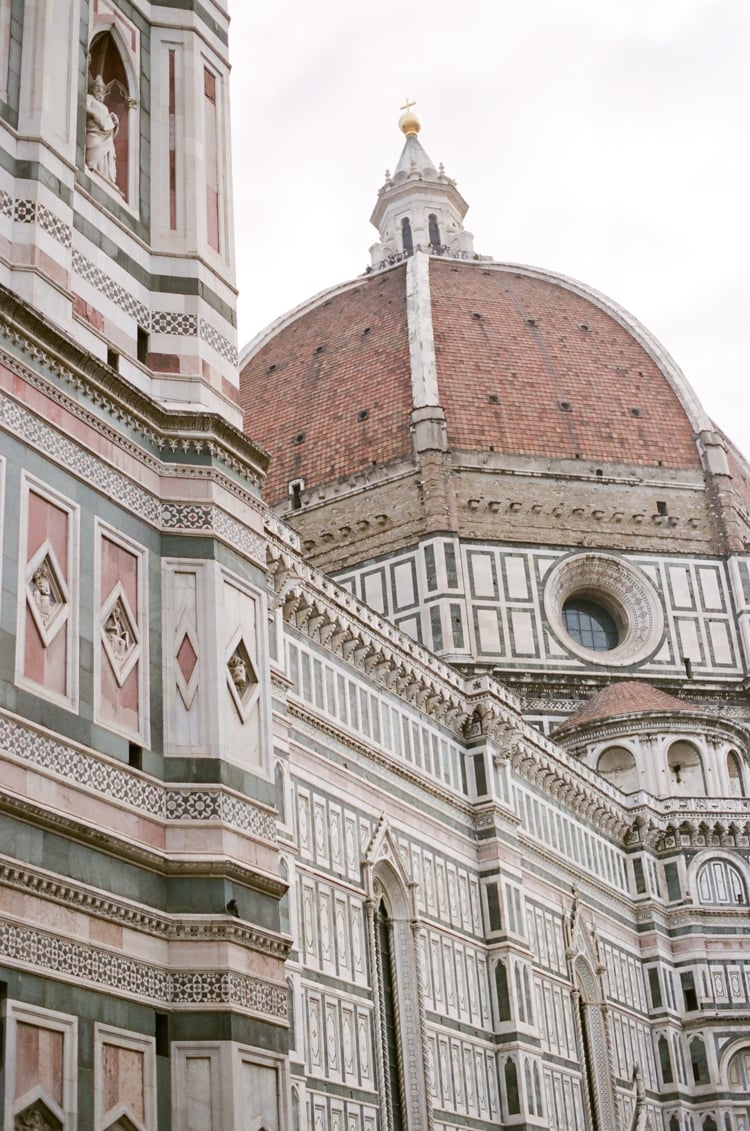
[
  {"x": 569, "y": 380},
  {"x": 313, "y": 381},
  {"x": 628, "y": 698}
]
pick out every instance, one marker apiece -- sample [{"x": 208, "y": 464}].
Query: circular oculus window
[{"x": 603, "y": 609}]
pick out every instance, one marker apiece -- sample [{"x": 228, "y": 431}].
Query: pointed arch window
[
  {"x": 389, "y": 1000},
  {"x": 512, "y": 1098},
  {"x": 593, "y": 1038},
  {"x": 111, "y": 125},
  {"x": 501, "y": 988},
  {"x": 406, "y": 237},
  {"x": 665, "y": 1061},
  {"x": 434, "y": 230},
  {"x": 698, "y": 1061},
  {"x": 397, "y": 957}
]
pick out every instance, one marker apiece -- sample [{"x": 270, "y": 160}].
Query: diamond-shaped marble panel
[
  {"x": 187, "y": 658},
  {"x": 119, "y": 635},
  {"x": 241, "y": 677},
  {"x": 47, "y": 594}
]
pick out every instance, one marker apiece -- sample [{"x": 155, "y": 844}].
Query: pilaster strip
[{"x": 421, "y": 340}]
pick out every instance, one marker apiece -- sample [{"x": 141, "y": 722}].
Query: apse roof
[{"x": 628, "y": 698}]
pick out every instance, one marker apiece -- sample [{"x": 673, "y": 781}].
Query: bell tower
[{"x": 115, "y": 191}]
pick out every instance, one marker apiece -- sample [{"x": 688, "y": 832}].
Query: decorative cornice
[
  {"x": 315, "y": 723},
  {"x": 87, "y": 378},
  {"x": 196, "y": 517},
  {"x": 137, "y": 917},
  {"x": 471, "y": 709},
  {"x": 702, "y": 823},
  {"x": 584, "y": 734},
  {"x": 160, "y": 862}
]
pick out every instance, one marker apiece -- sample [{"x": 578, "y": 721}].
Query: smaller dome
[
  {"x": 409, "y": 123},
  {"x": 618, "y": 699}
]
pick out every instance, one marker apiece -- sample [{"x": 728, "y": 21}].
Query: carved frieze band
[
  {"x": 167, "y": 516},
  {"x": 171, "y": 804},
  {"x": 52, "y": 954}
]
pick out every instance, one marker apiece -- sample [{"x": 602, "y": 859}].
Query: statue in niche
[
  {"x": 41, "y": 586},
  {"x": 101, "y": 127}
]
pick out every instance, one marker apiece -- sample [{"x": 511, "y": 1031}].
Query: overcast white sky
[{"x": 604, "y": 139}]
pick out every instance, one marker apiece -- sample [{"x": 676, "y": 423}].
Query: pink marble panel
[
  {"x": 119, "y": 564},
  {"x": 39, "y": 1061},
  {"x": 120, "y": 704},
  {"x": 123, "y": 1083},
  {"x": 46, "y": 666},
  {"x": 48, "y": 521}
]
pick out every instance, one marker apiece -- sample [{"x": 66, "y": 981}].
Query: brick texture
[
  {"x": 315, "y": 377},
  {"x": 532, "y": 344}
]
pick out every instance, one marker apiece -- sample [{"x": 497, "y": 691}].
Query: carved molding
[
  {"x": 199, "y": 434},
  {"x": 103, "y": 905},
  {"x": 42, "y": 951},
  {"x": 130, "y": 789}
]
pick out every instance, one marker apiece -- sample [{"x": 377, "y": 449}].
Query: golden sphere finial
[{"x": 409, "y": 123}]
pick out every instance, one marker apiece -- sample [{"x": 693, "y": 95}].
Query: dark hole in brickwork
[
  {"x": 477, "y": 315},
  {"x": 532, "y": 322},
  {"x": 271, "y": 368},
  {"x": 566, "y": 406},
  {"x": 319, "y": 349},
  {"x": 493, "y": 398},
  {"x": 584, "y": 326},
  {"x": 599, "y": 471},
  {"x": 635, "y": 412},
  {"x": 367, "y": 330},
  {"x": 299, "y": 438},
  {"x": 296, "y": 494},
  {"x": 363, "y": 414},
  {"x": 661, "y": 507}
]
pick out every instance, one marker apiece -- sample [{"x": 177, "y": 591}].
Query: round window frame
[{"x": 622, "y": 590}]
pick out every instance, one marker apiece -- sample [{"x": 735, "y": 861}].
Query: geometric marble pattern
[
  {"x": 43, "y": 951},
  {"x": 221, "y": 344},
  {"x": 187, "y": 658},
  {"x": 175, "y": 803},
  {"x": 170, "y": 516},
  {"x": 110, "y": 289},
  {"x": 118, "y": 294},
  {"x": 159, "y": 322}
]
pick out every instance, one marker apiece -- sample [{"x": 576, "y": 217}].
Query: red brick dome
[{"x": 522, "y": 362}]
